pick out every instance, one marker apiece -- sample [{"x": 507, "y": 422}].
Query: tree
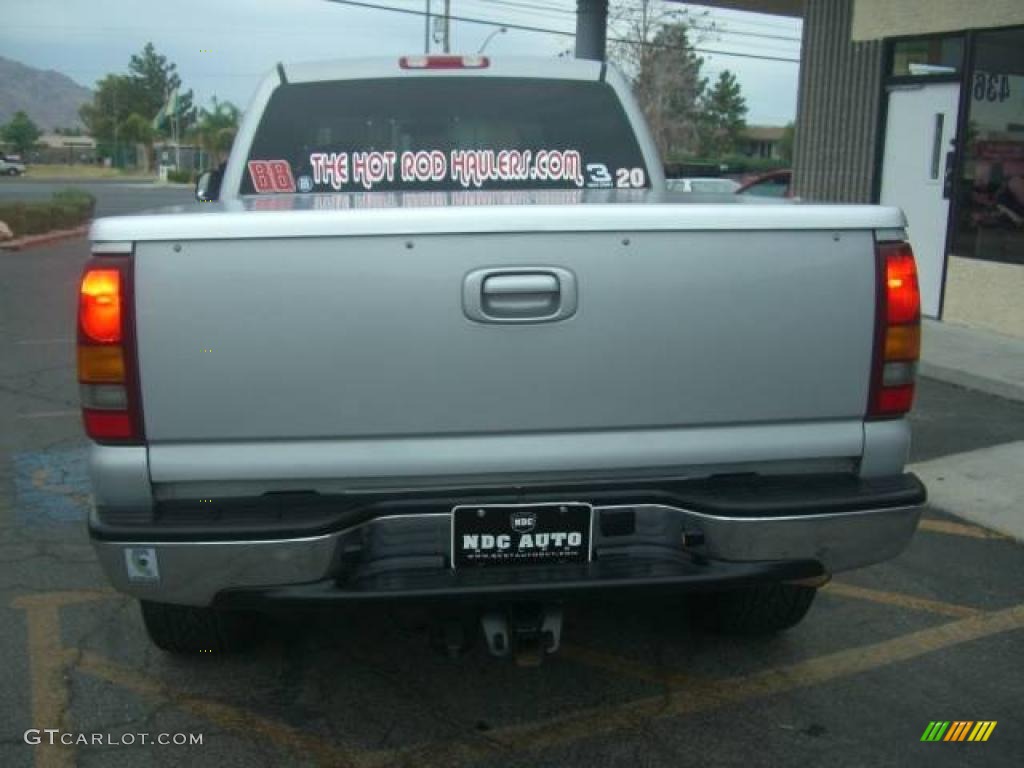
[
  {"x": 651, "y": 43},
  {"x": 137, "y": 130},
  {"x": 668, "y": 88},
  {"x": 21, "y": 133},
  {"x": 216, "y": 128},
  {"x": 114, "y": 100},
  {"x": 143, "y": 91},
  {"x": 722, "y": 117},
  {"x": 153, "y": 78}
]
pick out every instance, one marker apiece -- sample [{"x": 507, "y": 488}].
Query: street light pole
[
  {"x": 426, "y": 30},
  {"x": 447, "y": 25},
  {"x": 498, "y": 31}
]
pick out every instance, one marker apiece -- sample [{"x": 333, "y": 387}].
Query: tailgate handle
[
  {"x": 519, "y": 295},
  {"x": 527, "y": 282}
]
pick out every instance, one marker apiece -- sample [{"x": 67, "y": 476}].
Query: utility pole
[
  {"x": 591, "y": 28},
  {"x": 447, "y": 25},
  {"x": 426, "y": 30}
]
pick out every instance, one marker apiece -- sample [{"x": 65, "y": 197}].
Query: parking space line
[
  {"x": 682, "y": 695},
  {"x": 47, "y": 414},
  {"x": 900, "y": 600},
  {"x": 659, "y": 676},
  {"x": 46, "y": 659},
  {"x": 958, "y": 529},
  {"x": 224, "y": 715},
  {"x": 618, "y": 665},
  {"x": 710, "y": 695}
]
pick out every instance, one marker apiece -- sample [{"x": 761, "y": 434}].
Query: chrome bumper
[{"x": 195, "y": 572}]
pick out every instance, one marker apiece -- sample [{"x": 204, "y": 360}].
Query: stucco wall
[
  {"x": 875, "y": 19},
  {"x": 837, "y": 111}
]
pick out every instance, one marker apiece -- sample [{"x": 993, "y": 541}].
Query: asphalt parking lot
[{"x": 935, "y": 635}]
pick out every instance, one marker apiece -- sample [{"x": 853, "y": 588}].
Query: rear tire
[
  {"x": 759, "y": 610},
  {"x": 189, "y": 629}
]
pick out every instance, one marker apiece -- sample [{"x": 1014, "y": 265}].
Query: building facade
[
  {"x": 920, "y": 104},
  {"x": 763, "y": 141}
]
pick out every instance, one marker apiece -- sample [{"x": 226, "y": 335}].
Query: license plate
[{"x": 521, "y": 534}]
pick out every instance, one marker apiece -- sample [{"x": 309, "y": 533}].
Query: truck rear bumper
[{"x": 392, "y": 554}]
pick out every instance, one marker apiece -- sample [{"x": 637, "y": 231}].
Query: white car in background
[
  {"x": 10, "y": 166},
  {"x": 705, "y": 186}
]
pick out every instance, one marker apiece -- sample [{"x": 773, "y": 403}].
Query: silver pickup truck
[{"x": 444, "y": 336}]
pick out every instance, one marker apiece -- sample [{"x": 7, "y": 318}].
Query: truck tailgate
[{"x": 366, "y": 336}]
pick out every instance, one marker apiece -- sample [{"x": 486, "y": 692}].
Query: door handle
[{"x": 519, "y": 295}]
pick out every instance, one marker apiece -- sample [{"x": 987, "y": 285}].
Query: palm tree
[{"x": 215, "y": 130}]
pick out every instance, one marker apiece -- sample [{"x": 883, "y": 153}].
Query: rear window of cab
[{"x": 444, "y": 134}]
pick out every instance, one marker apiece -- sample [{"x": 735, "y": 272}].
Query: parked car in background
[
  {"x": 705, "y": 186},
  {"x": 772, "y": 184},
  {"x": 11, "y": 166}
]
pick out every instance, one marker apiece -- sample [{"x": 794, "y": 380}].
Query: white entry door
[{"x": 919, "y": 131}]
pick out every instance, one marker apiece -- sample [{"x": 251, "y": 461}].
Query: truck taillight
[
  {"x": 100, "y": 307},
  {"x": 897, "y": 333},
  {"x": 444, "y": 62},
  {"x": 107, "y": 370}
]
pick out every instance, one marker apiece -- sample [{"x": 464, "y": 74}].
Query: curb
[
  {"x": 47, "y": 237},
  {"x": 978, "y": 486},
  {"x": 1008, "y": 390}
]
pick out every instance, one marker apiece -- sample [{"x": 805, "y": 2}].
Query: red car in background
[{"x": 771, "y": 184}]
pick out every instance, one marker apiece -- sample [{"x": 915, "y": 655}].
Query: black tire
[
  {"x": 760, "y": 610},
  {"x": 189, "y": 629}
]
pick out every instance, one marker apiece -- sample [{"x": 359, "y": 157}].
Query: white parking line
[{"x": 47, "y": 414}]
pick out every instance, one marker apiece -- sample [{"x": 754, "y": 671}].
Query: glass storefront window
[
  {"x": 927, "y": 57},
  {"x": 990, "y": 224}
]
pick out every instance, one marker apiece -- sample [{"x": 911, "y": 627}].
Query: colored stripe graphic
[
  {"x": 935, "y": 730},
  {"x": 982, "y": 730},
  {"x": 958, "y": 730}
]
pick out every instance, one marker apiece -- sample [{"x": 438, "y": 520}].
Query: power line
[
  {"x": 563, "y": 33},
  {"x": 550, "y": 11}
]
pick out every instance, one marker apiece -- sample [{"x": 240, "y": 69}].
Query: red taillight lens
[
  {"x": 107, "y": 425},
  {"x": 100, "y": 305},
  {"x": 894, "y": 400},
  {"x": 897, "y": 333},
  {"x": 107, "y": 371},
  {"x": 902, "y": 295}
]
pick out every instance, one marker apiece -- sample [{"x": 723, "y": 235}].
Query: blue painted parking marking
[{"x": 51, "y": 486}]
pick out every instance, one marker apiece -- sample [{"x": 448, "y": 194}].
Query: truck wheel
[
  {"x": 190, "y": 629},
  {"x": 760, "y": 610}
]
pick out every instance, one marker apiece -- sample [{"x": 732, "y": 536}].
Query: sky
[{"x": 224, "y": 47}]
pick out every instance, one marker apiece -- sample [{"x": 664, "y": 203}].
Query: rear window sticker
[
  {"x": 468, "y": 168},
  {"x": 271, "y": 176}
]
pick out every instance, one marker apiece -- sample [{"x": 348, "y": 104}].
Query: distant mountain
[{"x": 49, "y": 98}]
